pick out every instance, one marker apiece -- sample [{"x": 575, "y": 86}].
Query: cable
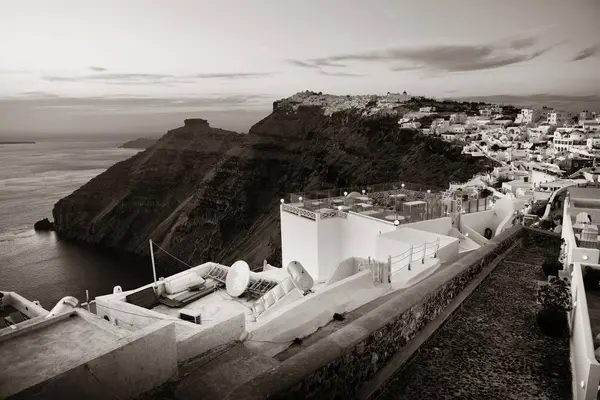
[
  {"x": 88, "y": 369},
  {"x": 183, "y": 262}
]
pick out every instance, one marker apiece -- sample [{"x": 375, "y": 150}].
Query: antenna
[
  {"x": 237, "y": 279},
  {"x": 153, "y": 264}
]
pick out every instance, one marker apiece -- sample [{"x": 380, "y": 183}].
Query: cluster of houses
[{"x": 570, "y": 142}]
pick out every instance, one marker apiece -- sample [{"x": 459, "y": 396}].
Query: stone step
[{"x": 215, "y": 379}]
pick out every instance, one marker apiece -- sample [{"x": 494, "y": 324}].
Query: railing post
[
  {"x": 424, "y": 252},
  {"x": 410, "y": 256}
]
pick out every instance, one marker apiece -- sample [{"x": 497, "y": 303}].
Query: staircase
[{"x": 274, "y": 295}]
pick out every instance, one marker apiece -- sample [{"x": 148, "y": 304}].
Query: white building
[
  {"x": 558, "y": 117},
  {"x": 591, "y": 125},
  {"x": 527, "y": 116},
  {"x": 427, "y": 109},
  {"x": 458, "y": 118},
  {"x": 411, "y": 125},
  {"x": 593, "y": 142},
  {"x": 457, "y": 128},
  {"x": 568, "y": 141}
]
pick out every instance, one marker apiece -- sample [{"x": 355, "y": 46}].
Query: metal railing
[
  {"x": 369, "y": 189},
  {"x": 415, "y": 254}
]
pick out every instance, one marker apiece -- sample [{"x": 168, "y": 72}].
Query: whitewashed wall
[
  {"x": 359, "y": 235},
  {"x": 585, "y": 367},
  {"x": 330, "y": 246},
  {"x": 299, "y": 242}
]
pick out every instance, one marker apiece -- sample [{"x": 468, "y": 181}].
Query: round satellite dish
[{"x": 237, "y": 279}]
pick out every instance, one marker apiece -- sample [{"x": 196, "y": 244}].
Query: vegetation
[
  {"x": 555, "y": 299},
  {"x": 551, "y": 267}
]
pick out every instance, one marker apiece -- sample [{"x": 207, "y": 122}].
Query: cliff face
[{"x": 208, "y": 194}]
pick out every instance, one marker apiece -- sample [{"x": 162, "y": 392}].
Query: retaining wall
[{"x": 336, "y": 366}]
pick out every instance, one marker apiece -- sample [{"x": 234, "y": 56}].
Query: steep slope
[{"x": 206, "y": 194}]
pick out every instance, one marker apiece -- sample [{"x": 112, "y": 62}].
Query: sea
[{"x": 39, "y": 265}]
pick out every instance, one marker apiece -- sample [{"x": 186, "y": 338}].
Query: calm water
[{"x": 39, "y": 266}]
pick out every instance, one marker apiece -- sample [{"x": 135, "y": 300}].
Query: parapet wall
[{"x": 336, "y": 366}]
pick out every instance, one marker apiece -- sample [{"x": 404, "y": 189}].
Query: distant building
[
  {"x": 485, "y": 112},
  {"x": 411, "y": 125},
  {"x": 527, "y": 116},
  {"x": 558, "y": 117},
  {"x": 568, "y": 140},
  {"x": 593, "y": 143},
  {"x": 458, "y": 118},
  {"x": 591, "y": 125},
  {"x": 572, "y": 165},
  {"x": 449, "y": 136},
  {"x": 457, "y": 128},
  {"x": 427, "y": 109}
]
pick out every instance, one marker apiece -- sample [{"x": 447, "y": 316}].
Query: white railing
[
  {"x": 414, "y": 255},
  {"x": 301, "y": 212}
]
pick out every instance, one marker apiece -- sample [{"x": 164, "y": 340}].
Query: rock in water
[
  {"x": 43, "y": 225},
  {"x": 140, "y": 143},
  {"x": 206, "y": 194}
]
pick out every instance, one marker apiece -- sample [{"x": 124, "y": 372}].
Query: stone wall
[{"x": 337, "y": 365}]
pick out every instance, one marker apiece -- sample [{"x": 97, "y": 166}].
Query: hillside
[{"x": 208, "y": 194}]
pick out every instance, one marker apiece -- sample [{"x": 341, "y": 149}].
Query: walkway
[{"x": 492, "y": 347}]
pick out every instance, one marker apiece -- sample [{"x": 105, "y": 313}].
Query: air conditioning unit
[{"x": 191, "y": 316}]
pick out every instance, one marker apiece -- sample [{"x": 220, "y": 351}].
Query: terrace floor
[{"x": 492, "y": 347}]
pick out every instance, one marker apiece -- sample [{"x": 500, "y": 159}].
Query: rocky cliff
[{"x": 207, "y": 194}]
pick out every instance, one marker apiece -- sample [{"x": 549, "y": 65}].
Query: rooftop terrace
[{"x": 404, "y": 202}]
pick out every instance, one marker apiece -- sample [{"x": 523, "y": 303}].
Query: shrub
[
  {"x": 555, "y": 295},
  {"x": 555, "y": 298},
  {"x": 551, "y": 267},
  {"x": 552, "y": 323},
  {"x": 547, "y": 224}
]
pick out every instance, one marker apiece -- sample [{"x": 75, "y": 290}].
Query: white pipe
[{"x": 153, "y": 265}]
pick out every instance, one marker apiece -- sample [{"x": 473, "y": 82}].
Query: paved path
[{"x": 492, "y": 347}]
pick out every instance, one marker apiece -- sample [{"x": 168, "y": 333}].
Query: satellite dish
[
  {"x": 237, "y": 279},
  {"x": 300, "y": 276}
]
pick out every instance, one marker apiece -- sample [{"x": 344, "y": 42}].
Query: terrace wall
[
  {"x": 336, "y": 366},
  {"x": 585, "y": 367},
  {"x": 119, "y": 368}
]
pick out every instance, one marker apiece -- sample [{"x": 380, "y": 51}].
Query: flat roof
[
  {"x": 418, "y": 236},
  {"x": 581, "y": 193},
  {"x": 36, "y": 354},
  {"x": 214, "y": 308}
]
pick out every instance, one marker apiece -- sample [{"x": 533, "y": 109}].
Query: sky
[{"x": 86, "y": 66}]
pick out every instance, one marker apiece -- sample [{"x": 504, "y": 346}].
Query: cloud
[
  {"x": 302, "y": 64},
  {"x": 240, "y": 75},
  {"x": 341, "y": 74},
  {"x": 131, "y": 104},
  {"x": 449, "y": 58},
  {"x": 523, "y": 43},
  {"x": 407, "y": 68},
  {"x": 98, "y": 69},
  {"x": 149, "y": 79},
  {"x": 588, "y": 52},
  {"x": 324, "y": 62}
]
